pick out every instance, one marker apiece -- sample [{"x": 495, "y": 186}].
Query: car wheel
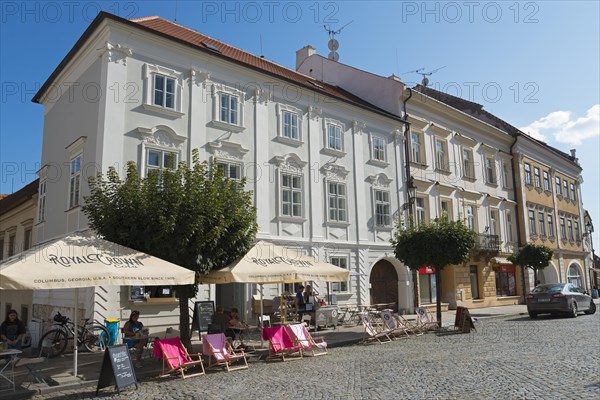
[
  {"x": 532, "y": 314},
  {"x": 592, "y": 309},
  {"x": 573, "y": 312}
]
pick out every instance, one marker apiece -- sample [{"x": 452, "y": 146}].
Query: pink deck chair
[
  {"x": 301, "y": 335},
  {"x": 176, "y": 358},
  {"x": 281, "y": 344},
  {"x": 220, "y": 352}
]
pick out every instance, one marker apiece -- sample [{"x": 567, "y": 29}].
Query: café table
[{"x": 7, "y": 371}]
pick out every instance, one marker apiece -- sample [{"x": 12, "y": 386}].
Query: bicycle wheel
[
  {"x": 95, "y": 338},
  {"x": 53, "y": 343}
]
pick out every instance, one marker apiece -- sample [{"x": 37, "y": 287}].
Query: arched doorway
[
  {"x": 548, "y": 275},
  {"x": 574, "y": 275},
  {"x": 384, "y": 283}
]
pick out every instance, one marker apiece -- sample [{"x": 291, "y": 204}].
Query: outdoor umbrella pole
[
  {"x": 261, "y": 314},
  {"x": 75, "y": 334}
]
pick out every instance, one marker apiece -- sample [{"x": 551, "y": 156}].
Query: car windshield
[{"x": 548, "y": 288}]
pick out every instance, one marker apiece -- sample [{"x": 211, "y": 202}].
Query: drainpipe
[
  {"x": 408, "y": 175},
  {"x": 517, "y": 219}
]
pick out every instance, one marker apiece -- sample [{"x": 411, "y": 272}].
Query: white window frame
[
  {"x": 537, "y": 177},
  {"x": 75, "y": 179},
  {"x": 150, "y": 72},
  {"x": 572, "y": 194},
  {"x": 563, "y": 229},
  {"x": 163, "y": 152},
  {"x": 227, "y": 166},
  {"x": 566, "y": 195},
  {"x": 417, "y": 156},
  {"x": 41, "y": 215},
  {"x": 282, "y": 111},
  {"x": 337, "y": 287},
  {"x": 577, "y": 233},
  {"x": 378, "y": 152},
  {"x": 164, "y": 91},
  {"x": 494, "y": 225},
  {"x": 292, "y": 190},
  {"x": 449, "y": 211},
  {"x": 441, "y": 155},
  {"x": 542, "y": 223},
  {"x": 546, "y": 179},
  {"x": 509, "y": 226},
  {"x": 490, "y": 170},
  {"x": 218, "y": 91},
  {"x": 337, "y": 198},
  {"x": 550, "y": 221},
  {"x": 420, "y": 211},
  {"x": 532, "y": 222},
  {"x": 570, "y": 230},
  {"x": 506, "y": 176},
  {"x": 558, "y": 186},
  {"x": 471, "y": 213},
  {"x": 381, "y": 217},
  {"x": 527, "y": 169},
  {"x": 329, "y": 124},
  {"x": 468, "y": 165}
]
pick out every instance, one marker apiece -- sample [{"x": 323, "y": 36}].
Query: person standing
[
  {"x": 300, "y": 303},
  {"x": 12, "y": 331}
]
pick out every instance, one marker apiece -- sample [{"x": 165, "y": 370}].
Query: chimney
[
  {"x": 394, "y": 77},
  {"x": 574, "y": 153},
  {"x": 303, "y": 54}
]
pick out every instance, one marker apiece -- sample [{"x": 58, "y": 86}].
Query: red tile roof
[
  {"x": 19, "y": 197},
  {"x": 208, "y": 45}
]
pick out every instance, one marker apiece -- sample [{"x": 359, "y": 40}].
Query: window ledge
[
  {"x": 290, "y": 141},
  {"x": 493, "y": 184},
  {"x": 333, "y": 152},
  {"x": 529, "y": 186},
  {"x": 379, "y": 163},
  {"x": 445, "y": 171},
  {"x": 507, "y": 297},
  {"x": 477, "y": 300},
  {"x": 285, "y": 218},
  {"x": 227, "y": 126},
  {"x": 506, "y": 187},
  {"x": 157, "y": 300},
  {"x": 469, "y": 178},
  {"x": 337, "y": 224},
  {"x": 418, "y": 164},
  {"x": 383, "y": 228},
  {"x": 163, "y": 110},
  {"x": 548, "y": 192},
  {"x": 73, "y": 208}
]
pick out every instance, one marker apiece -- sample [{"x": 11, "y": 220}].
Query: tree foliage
[
  {"x": 438, "y": 244},
  {"x": 532, "y": 256},
  {"x": 190, "y": 216}
]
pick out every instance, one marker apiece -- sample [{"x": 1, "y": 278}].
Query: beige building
[{"x": 17, "y": 215}]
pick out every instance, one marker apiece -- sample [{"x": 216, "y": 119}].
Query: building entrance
[{"x": 384, "y": 284}]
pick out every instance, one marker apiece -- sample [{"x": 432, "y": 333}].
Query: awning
[{"x": 500, "y": 261}]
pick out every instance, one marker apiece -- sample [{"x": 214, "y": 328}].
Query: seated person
[
  {"x": 235, "y": 325},
  {"x": 220, "y": 321},
  {"x": 12, "y": 331},
  {"x": 135, "y": 335}
]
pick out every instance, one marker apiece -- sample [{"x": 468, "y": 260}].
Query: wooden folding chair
[
  {"x": 220, "y": 352},
  {"x": 371, "y": 332},
  {"x": 281, "y": 344},
  {"x": 392, "y": 326},
  {"x": 300, "y": 334},
  {"x": 425, "y": 321},
  {"x": 176, "y": 357}
]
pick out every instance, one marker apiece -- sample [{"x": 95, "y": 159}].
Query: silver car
[{"x": 554, "y": 298}]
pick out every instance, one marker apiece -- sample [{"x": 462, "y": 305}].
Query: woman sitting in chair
[{"x": 135, "y": 337}]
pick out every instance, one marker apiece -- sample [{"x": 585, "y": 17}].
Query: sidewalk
[{"x": 58, "y": 372}]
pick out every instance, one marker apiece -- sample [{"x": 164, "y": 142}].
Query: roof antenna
[
  {"x": 176, "y": 9},
  {"x": 333, "y": 44},
  {"x": 262, "y": 55},
  {"x": 421, "y": 72}
]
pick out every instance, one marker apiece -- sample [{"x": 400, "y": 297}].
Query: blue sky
[{"x": 534, "y": 64}]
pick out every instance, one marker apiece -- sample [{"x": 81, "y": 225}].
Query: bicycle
[{"x": 92, "y": 336}]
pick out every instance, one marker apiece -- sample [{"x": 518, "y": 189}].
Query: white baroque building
[{"x": 324, "y": 165}]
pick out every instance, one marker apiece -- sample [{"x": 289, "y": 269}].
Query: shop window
[
  {"x": 506, "y": 281},
  {"x": 339, "y": 287},
  {"x": 427, "y": 285},
  {"x": 574, "y": 276},
  {"x": 474, "y": 282},
  {"x": 146, "y": 293}
]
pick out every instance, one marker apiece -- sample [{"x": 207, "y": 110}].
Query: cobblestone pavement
[{"x": 508, "y": 358}]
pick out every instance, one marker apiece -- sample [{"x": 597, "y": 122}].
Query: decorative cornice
[
  {"x": 262, "y": 96},
  {"x": 162, "y": 136},
  {"x": 379, "y": 180},
  {"x": 315, "y": 112},
  {"x": 334, "y": 171},
  {"x": 358, "y": 126},
  {"x": 115, "y": 52},
  {"x": 222, "y": 149},
  {"x": 289, "y": 161},
  {"x": 199, "y": 77}
]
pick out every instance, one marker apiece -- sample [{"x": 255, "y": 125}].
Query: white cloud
[{"x": 562, "y": 128}]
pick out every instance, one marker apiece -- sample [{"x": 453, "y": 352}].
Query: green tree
[
  {"x": 191, "y": 216},
  {"x": 437, "y": 244},
  {"x": 532, "y": 256}
]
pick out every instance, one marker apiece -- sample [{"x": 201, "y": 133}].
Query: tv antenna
[
  {"x": 421, "y": 71},
  {"x": 333, "y": 44}
]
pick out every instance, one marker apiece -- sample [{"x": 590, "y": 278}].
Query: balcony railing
[{"x": 487, "y": 243}]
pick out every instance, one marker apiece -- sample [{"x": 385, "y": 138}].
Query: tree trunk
[
  {"x": 184, "y": 321},
  {"x": 438, "y": 295}
]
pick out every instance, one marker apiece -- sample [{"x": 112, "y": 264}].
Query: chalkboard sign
[
  {"x": 203, "y": 312},
  {"x": 117, "y": 368},
  {"x": 463, "y": 321}
]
